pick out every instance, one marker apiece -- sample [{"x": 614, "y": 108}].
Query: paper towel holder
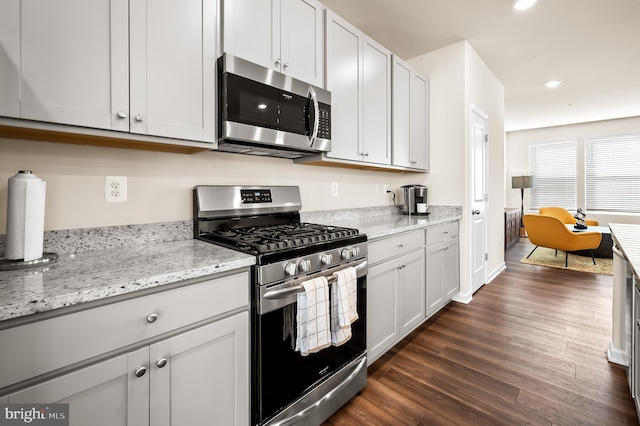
[{"x": 10, "y": 265}]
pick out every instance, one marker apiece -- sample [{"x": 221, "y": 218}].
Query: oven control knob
[
  {"x": 304, "y": 265},
  {"x": 327, "y": 259},
  {"x": 290, "y": 269},
  {"x": 355, "y": 251},
  {"x": 345, "y": 254}
]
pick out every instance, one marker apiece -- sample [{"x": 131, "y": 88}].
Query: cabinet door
[
  {"x": 635, "y": 350},
  {"x": 301, "y": 40},
  {"x": 402, "y": 76},
  {"x": 419, "y": 122},
  {"x": 435, "y": 290},
  {"x": 344, "y": 76},
  {"x": 252, "y": 31},
  {"x": 74, "y": 62},
  {"x": 173, "y": 98},
  {"x": 376, "y": 102},
  {"x": 412, "y": 290},
  {"x": 10, "y": 58},
  {"x": 206, "y": 374},
  {"x": 451, "y": 269},
  {"x": 108, "y": 393},
  {"x": 382, "y": 297}
]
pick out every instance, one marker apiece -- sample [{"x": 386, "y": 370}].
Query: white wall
[
  {"x": 518, "y": 159},
  {"x": 459, "y": 78},
  {"x": 160, "y": 184}
]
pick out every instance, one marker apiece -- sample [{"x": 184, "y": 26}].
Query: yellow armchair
[
  {"x": 551, "y": 232},
  {"x": 564, "y": 215}
]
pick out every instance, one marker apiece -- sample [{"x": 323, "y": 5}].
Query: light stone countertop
[
  {"x": 383, "y": 226},
  {"x": 94, "y": 275},
  {"x": 103, "y": 262},
  {"x": 627, "y": 238}
]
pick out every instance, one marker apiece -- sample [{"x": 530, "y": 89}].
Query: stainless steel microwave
[{"x": 264, "y": 112}]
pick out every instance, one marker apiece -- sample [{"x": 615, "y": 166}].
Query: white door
[{"x": 478, "y": 140}]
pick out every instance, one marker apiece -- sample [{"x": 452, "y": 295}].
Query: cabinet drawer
[
  {"x": 394, "y": 246},
  {"x": 32, "y": 349},
  {"x": 438, "y": 233}
]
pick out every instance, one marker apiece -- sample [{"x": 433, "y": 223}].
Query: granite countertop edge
[{"x": 73, "y": 280}]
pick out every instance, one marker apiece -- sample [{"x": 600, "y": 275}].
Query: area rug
[{"x": 543, "y": 256}]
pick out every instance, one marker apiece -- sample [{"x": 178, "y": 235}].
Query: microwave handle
[{"x": 316, "y": 118}]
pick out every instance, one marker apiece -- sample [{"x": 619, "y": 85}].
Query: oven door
[{"x": 282, "y": 376}]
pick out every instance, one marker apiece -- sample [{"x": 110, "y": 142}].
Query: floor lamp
[{"x": 522, "y": 182}]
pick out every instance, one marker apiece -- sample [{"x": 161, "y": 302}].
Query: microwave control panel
[{"x": 324, "y": 127}]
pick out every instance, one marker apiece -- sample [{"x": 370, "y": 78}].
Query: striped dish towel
[
  {"x": 312, "y": 318},
  {"x": 344, "y": 305}
]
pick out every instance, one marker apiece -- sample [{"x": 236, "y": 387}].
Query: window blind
[
  {"x": 554, "y": 167},
  {"x": 613, "y": 174}
]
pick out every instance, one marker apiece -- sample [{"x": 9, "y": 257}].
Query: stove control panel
[
  {"x": 299, "y": 267},
  {"x": 252, "y": 196}
]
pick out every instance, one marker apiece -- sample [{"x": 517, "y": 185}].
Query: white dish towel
[
  {"x": 312, "y": 318},
  {"x": 344, "y": 305}
]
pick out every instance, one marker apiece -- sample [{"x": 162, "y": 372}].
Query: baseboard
[
  {"x": 463, "y": 298},
  {"x": 496, "y": 272},
  {"x": 616, "y": 356}
]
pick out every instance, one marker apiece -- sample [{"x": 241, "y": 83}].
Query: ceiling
[{"x": 592, "y": 46}]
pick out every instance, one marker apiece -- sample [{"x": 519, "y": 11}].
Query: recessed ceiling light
[
  {"x": 552, "y": 83},
  {"x": 523, "y": 4}
]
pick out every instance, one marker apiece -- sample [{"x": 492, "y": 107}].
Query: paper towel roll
[{"x": 25, "y": 217}]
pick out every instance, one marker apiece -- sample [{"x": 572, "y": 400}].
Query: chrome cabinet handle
[
  {"x": 278, "y": 62},
  {"x": 151, "y": 318},
  {"x": 140, "y": 371},
  {"x": 161, "y": 362},
  {"x": 401, "y": 245},
  {"x": 285, "y": 65},
  {"x": 139, "y": 118},
  {"x": 475, "y": 212},
  {"x": 122, "y": 115}
]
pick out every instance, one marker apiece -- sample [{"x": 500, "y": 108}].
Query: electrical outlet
[
  {"x": 115, "y": 189},
  {"x": 334, "y": 189}
]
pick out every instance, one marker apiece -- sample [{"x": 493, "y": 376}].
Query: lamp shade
[{"x": 523, "y": 182}]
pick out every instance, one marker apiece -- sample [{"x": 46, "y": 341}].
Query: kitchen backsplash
[{"x": 107, "y": 237}]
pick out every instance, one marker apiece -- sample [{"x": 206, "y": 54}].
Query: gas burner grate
[{"x": 272, "y": 238}]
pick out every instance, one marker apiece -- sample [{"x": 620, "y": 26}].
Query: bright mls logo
[{"x": 34, "y": 414}]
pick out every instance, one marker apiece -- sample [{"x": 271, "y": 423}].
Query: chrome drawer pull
[{"x": 151, "y": 318}]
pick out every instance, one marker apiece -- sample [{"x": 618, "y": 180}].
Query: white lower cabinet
[
  {"x": 395, "y": 301},
  {"x": 407, "y": 282},
  {"x": 195, "y": 374},
  {"x": 442, "y": 260}
]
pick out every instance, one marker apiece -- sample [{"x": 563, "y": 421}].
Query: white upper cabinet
[
  {"x": 138, "y": 66},
  {"x": 10, "y": 58},
  {"x": 68, "y": 62},
  {"x": 410, "y": 117},
  {"x": 172, "y": 68},
  {"x": 376, "y": 106},
  {"x": 359, "y": 78},
  {"x": 344, "y": 81},
  {"x": 284, "y": 35}
]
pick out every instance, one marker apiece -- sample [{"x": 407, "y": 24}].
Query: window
[
  {"x": 554, "y": 167},
  {"x": 613, "y": 174}
]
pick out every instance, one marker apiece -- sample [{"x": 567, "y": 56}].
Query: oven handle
[
  {"x": 296, "y": 417},
  {"x": 279, "y": 294}
]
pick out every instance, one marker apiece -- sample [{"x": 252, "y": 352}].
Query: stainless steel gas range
[{"x": 288, "y": 388}]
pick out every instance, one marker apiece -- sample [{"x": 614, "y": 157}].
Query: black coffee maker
[{"x": 413, "y": 195}]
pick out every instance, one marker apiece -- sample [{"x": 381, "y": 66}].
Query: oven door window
[
  {"x": 283, "y": 374},
  {"x": 250, "y": 102}
]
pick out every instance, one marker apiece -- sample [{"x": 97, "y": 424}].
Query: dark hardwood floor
[{"x": 529, "y": 349}]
